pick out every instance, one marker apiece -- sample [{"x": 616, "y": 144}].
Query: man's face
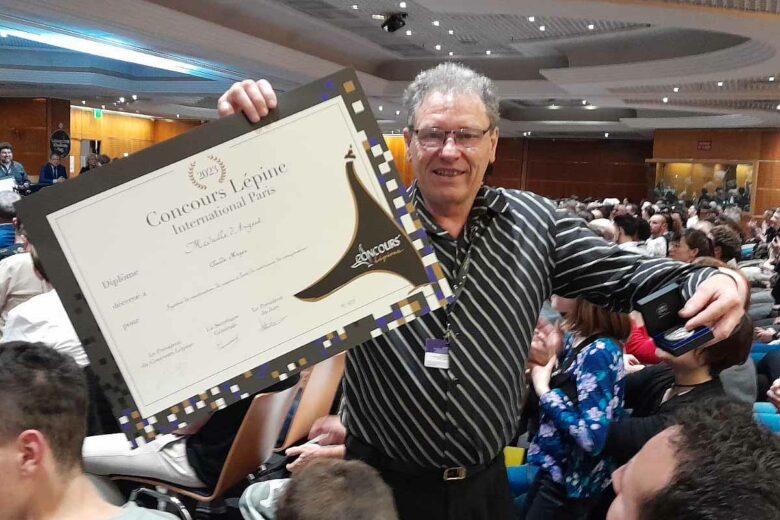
[
  {"x": 6, "y": 156},
  {"x": 657, "y": 225},
  {"x": 450, "y": 175},
  {"x": 643, "y": 477},
  {"x": 54, "y": 160}
]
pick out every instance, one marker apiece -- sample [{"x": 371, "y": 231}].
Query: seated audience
[
  {"x": 43, "y": 396},
  {"x": 576, "y": 407},
  {"x": 626, "y": 234},
  {"x": 656, "y": 393},
  {"x": 689, "y": 245},
  {"x": 715, "y": 463},
  {"x": 658, "y": 245},
  {"x": 7, "y": 216},
  {"x": 337, "y": 490},
  {"x": 92, "y": 163},
  {"x": 52, "y": 172},
  {"x": 10, "y": 168},
  {"x": 18, "y": 283},
  {"x": 726, "y": 245}
]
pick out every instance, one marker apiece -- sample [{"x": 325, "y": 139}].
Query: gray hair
[
  {"x": 451, "y": 78},
  {"x": 7, "y": 200}
]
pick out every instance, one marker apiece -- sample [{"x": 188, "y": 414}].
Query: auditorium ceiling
[{"x": 564, "y": 68}]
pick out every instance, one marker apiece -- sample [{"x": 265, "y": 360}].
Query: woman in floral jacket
[{"x": 580, "y": 391}]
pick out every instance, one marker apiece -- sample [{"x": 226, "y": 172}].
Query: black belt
[{"x": 358, "y": 449}]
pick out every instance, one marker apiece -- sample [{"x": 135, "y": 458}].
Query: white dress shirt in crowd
[
  {"x": 18, "y": 283},
  {"x": 42, "y": 319},
  {"x": 656, "y": 247}
]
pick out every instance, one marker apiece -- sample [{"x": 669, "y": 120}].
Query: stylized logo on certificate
[{"x": 200, "y": 271}]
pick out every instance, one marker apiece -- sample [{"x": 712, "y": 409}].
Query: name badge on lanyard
[{"x": 437, "y": 354}]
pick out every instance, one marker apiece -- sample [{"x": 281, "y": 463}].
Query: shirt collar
[{"x": 488, "y": 199}]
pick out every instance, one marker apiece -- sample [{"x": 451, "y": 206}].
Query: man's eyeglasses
[{"x": 434, "y": 138}]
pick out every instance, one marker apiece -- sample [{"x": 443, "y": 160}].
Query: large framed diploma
[{"x": 202, "y": 270}]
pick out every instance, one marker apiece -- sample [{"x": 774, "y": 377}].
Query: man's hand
[
  {"x": 764, "y": 335},
  {"x": 718, "y": 303},
  {"x": 774, "y": 394},
  {"x": 331, "y": 427},
  {"x": 309, "y": 452},
  {"x": 253, "y": 98}
]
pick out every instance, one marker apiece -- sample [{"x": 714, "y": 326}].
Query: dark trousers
[
  {"x": 548, "y": 500},
  {"x": 427, "y": 496}
]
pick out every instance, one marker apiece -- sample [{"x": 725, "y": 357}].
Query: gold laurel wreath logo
[{"x": 222, "y": 172}]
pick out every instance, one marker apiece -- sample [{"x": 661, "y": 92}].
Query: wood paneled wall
[
  {"x": 27, "y": 123},
  {"x": 122, "y": 134},
  {"x": 559, "y": 168},
  {"x": 759, "y": 147}
]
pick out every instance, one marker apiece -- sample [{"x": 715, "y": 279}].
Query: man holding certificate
[{"x": 432, "y": 403}]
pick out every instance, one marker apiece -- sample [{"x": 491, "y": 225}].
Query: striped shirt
[{"x": 520, "y": 250}]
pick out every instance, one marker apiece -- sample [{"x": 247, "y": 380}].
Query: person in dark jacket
[{"x": 52, "y": 172}]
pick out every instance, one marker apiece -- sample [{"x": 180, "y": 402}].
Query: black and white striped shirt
[{"x": 521, "y": 250}]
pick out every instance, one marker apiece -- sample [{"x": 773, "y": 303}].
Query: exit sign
[{"x": 98, "y": 113}]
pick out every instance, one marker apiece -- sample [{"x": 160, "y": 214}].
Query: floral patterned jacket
[{"x": 571, "y": 435}]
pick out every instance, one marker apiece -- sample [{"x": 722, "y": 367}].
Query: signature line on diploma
[{"x": 228, "y": 343}]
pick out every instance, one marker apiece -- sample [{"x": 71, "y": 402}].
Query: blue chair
[{"x": 770, "y": 420}]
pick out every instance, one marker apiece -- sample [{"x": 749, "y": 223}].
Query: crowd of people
[{"x": 615, "y": 427}]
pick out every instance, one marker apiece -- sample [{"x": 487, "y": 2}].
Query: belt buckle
[{"x": 458, "y": 473}]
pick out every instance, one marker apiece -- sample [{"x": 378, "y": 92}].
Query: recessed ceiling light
[
  {"x": 398, "y": 112},
  {"x": 584, "y": 101},
  {"x": 554, "y": 107},
  {"x": 435, "y": 23},
  {"x": 532, "y": 19},
  {"x": 177, "y": 116},
  {"x": 355, "y": 7},
  {"x": 437, "y": 47},
  {"x": 771, "y": 78},
  {"x": 590, "y": 107},
  {"x": 676, "y": 89},
  {"x": 451, "y": 53},
  {"x": 720, "y": 83},
  {"x": 487, "y": 52},
  {"x": 103, "y": 107},
  {"x": 408, "y": 32},
  {"x": 402, "y": 5},
  {"x": 591, "y": 26},
  {"x": 606, "y": 134},
  {"x": 451, "y": 31},
  {"x": 83, "y": 102},
  {"x": 542, "y": 28},
  {"x": 381, "y": 108},
  {"x": 378, "y": 16},
  {"x": 134, "y": 97},
  {"x": 778, "y": 107},
  {"x": 121, "y": 99},
  {"x": 665, "y": 99},
  {"x": 125, "y": 154}
]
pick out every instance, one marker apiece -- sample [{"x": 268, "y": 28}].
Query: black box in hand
[{"x": 660, "y": 311}]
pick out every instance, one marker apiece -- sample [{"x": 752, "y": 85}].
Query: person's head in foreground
[
  {"x": 329, "y": 489},
  {"x": 717, "y": 463},
  {"x": 451, "y": 134},
  {"x": 43, "y": 398},
  {"x": 689, "y": 245}
]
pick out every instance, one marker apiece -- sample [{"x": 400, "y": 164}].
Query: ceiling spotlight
[
  {"x": 435, "y": 23},
  {"x": 83, "y": 102},
  {"x": 606, "y": 134},
  {"x": 487, "y": 52},
  {"x": 103, "y": 107},
  {"x": 451, "y": 53},
  {"x": 676, "y": 89},
  {"x": 121, "y": 100},
  {"x": 771, "y": 78},
  {"x": 394, "y": 22},
  {"x": 355, "y": 7},
  {"x": 380, "y": 107},
  {"x": 402, "y": 5},
  {"x": 591, "y": 26},
  {"x": 532, "y": 19},
  {"x": 438, "y": 47},
  {"x": 177, "y": 116},
  {"x": 134, "y": 97},
  {"x": 125, "y": 154},
  {"x": 451, "y": 31},
  {"x": 542, "y": 28},
  {"x": 778, "y": 107},
  {"x": 398, "y": 112},
  {"x": 554, "y": 107},
  {"x": 665, "y": 99},
  {"x": 378, "y": 16},
  {"x": 584, "y": 101},
  {"x": 590, "y": 107},
  {"x": 720, "y": 83}
]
